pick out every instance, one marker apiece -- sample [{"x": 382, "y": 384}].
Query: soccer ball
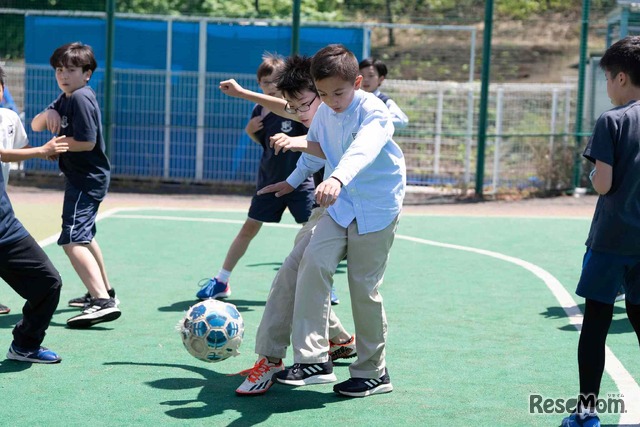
[{"x": 212, "y": 330}]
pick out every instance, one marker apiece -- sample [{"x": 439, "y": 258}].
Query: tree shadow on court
[
  {"x": 619, "y": 325},
  {"x": 216, "y": 395},
  {"x": 241, "y": 304}
]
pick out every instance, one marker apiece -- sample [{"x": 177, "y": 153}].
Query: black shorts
[
  {"x": 269, "y": 208},
  {"x": 79, "y": 212}
]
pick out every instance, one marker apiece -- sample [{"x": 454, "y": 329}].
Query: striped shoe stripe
[
  {"x": 373, "y": 383},
  {"x": 311, "y": 370}
]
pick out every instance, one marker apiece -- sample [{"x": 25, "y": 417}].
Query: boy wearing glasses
[
  {"x": 273, "y": 168},
  {"x": 274, "y": 332}
]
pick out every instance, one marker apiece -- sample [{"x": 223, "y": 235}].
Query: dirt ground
[{"x": 562, "y": 206}]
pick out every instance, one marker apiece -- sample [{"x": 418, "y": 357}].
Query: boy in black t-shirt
[
  {"x": 76, "y": 115},
  {"x": 612, "y": 258},
  {"x": 273, "y": 168}
]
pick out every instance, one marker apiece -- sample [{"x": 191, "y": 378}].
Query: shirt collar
[{"x": 357, "y": 97}]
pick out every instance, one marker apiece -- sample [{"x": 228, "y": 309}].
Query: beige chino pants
[
  {"x": 274, "y": 332},
  {"x": 367, "y": 257}
]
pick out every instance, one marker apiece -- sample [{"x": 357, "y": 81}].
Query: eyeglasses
[{"x": 301, "y": 109}]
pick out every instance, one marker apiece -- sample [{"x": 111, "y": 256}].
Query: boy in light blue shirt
[{"x": 363, "y": 196}]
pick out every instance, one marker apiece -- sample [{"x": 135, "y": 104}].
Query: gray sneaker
[{"x": 99, "y": 310}]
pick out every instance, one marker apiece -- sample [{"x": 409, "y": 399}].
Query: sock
[
  {"x": 223, "y": 276},
  {"x": 112, "y": 293},
  {"x": 273, "y": 360}
]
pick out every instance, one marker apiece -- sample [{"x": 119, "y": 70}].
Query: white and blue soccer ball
[{"x": 212, "y": 330}]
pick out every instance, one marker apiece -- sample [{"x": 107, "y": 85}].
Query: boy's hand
[
  {"x": 53, "y": 121},
  {"x": 254, "y": 125},
  {"x": 280, "y": 188},
  {"x": 231, "y": 87},
  {"x": 52, "y": 149},
  {"x": 283, "y": 142},
  {"x": 327, "y": 192}
]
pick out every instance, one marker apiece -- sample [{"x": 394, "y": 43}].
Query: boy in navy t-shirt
[
  {"x": 273, "y": 168},
  {"x": 76, "y": 115},
  {"x": 612, "y": 258}
]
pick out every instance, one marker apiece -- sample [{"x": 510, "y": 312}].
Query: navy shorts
[
  {"x": 603, "y": 274},
  {"x": 79, "y": 212},
  {"x": 269, "y": 208}
]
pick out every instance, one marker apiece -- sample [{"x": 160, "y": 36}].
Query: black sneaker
[
  {"x": 100, "y": 310},
  {"x": 84, "y": 301},
  {"x": 361, "y": 387},
  {"x": 306, "y": 374},
  {"x": 80, "y": 301}
]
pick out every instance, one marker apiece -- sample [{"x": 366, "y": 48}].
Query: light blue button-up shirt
[{"x": 361, "y": 153}]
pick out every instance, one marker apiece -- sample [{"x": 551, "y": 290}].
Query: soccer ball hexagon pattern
[{"x": 212, "y": 330}]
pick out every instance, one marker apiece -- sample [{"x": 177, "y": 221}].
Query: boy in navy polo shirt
[
  {"x": 273, "y": 168},
  {"x": 76, "y": 115}
]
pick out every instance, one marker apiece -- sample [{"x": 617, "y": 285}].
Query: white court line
[{"x": 627, "y": 386}]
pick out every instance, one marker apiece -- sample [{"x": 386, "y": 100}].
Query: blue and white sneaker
[
  {"x": 40, "y": 355},
  {"x": 334, "y": 296},
  {"x": 574, "y": 420},
  {"x": 213, "y": 289}
]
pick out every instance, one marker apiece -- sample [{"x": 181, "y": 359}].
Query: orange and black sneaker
[{"x": 345, "y": 350}]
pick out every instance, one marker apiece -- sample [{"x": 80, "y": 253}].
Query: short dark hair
[
  {"x": 74, "y": 54},
  {"x": 296, "y": 76},
  {"x": 380, "y": 66},
  {"x": 623, "y": 56},
  {"x": 334, "y": 60},
  {"x": 271, "y": 63},
  {"x": 2, "y": 76}
]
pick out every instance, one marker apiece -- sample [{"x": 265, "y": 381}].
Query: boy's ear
[
  {"x": 623, "y": 78},
  {"x": 358, "y": 82},
  {"x": 88, "y": 75},
  {"x": 380, "y": 80}
]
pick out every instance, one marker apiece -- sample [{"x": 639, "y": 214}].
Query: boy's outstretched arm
[
  {"x": 601, "y": 177},
  {"x": 280, "y": 188},
  {"x": 283, "y": 142},
  {"x": 51, "y": 149},
  {"x": 276, "y": 105}
]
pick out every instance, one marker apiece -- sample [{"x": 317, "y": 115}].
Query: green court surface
[{"x": 472, "y": 334}]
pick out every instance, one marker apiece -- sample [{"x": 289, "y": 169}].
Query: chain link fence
[{"x": 433, "y": 76}]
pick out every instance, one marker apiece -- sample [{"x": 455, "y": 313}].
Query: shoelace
[{"x": 256, "y": 372}]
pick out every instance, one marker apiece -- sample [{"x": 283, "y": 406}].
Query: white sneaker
[{"x": 259, "y": 377}]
